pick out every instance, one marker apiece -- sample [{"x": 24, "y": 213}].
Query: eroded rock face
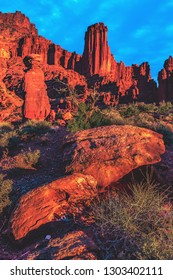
[
  {"x": 130, "y": 82},
  {"x": 76, "y": 245},
  {"x": 50, "y": 202},
  {"x": 165, "y": 78},
  {"x": 10, "y": 104},
  {"x": 97, "y": 58},
  {"x": 96, "y": 68},
  {"x": 108, "y": 153},
  {"x": 36, "y": 105}
]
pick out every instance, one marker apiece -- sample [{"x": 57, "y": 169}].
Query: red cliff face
[
  {"x": 131, "y": 82},
  {"x": 165, "y": 78},
  {"x": 97, "y": 58},
  {"x": 19, "y": 38}
]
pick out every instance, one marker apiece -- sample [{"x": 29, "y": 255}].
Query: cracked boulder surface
[
  {"x": 49, "y": 203},
  {"x": 76, "y": 245},
  {"x": 109, "y": 153}
]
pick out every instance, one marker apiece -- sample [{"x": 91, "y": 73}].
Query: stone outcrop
[
  {"x": 19, "y": 37},
  {"x": 10, "y": 105},
  {"x": 132, "y": 82},
  {"x": 76, "y": 245},
  {"x": 96, "y": 68},
  {"x": 51, "y": 202},
  {"x": 97, "y": 58},
  {"x": 165, "y": 78},
  {"x": 36, "y": 105},
  {"x": 109, "y": 153}
]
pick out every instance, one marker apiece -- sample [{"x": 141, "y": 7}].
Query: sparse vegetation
[
  {"x": 9, "y": 139},
  {"x": 11, "y": 136},
  {"x": 88, "y": 116},
  {"x": 157, "y": 118},
  {"x": 33, "y": 128},
  {"x": 135, "y": 225},
  {"x": 165, "y": 108},
  {"x": 129, "y": 111},
  {"x": 5, "y": 190},
  {"x": 27, "y": 160}
]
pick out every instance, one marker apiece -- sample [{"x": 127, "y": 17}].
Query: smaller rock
[
  {"x": 76, "y": 245},
  {"x": 52, "y": 202}
]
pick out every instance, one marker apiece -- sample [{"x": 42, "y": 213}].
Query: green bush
[
  {"x": 34, "y": 128},
  {"x": 129, "y": 110},
  {"x": 87, "y": 117},
  {"x": 134, "y": 225},
  {"x": 114, "y": 116},
  {"x": 5, "y": 190},
  {"x": 165, "y": 108},
  {"x": 147, "y": 108},
  {"x": 145, "y": 120}
]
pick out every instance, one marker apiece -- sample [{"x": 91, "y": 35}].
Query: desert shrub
[
  {"x": 81, "y": 119},
  {"x": 34, "y": 128},
  {"x": 147, "y": 108},
  {"x": 146, "y": 120},
  {"x": 98, "y": 119},
  {"x": 5, "y": 190},
  {"x": 5, "y": 127},
  {"x": 9, "y": 139},
  {"x": 165, "y": 108},
  {"x": 129, "y": 110},
  {"x": 115, "y": 117},
  {"x": 87, "y": 117},
  {"x": 134, "y": 225},
  {"x": 27, "y": 160}
]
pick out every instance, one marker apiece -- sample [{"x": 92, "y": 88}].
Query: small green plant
[
  {"x": 165, "y": 108},
  {"x": 87, "y": 117},
  {"x": 147, "y": 108},
  {"x": 27, "y": 160},
  {"x": 114, "y": 116},
  {"x": 34, "y": 128},
  {"x": 129, "y": 110},
  {"x": 146, "y": 120},
  {"x": 5, "y": 190},
  {"x": 134, "y": 225}
]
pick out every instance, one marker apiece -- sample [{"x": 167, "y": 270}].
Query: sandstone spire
[
  {"x": 97, "y": 57},
  {"x": 165, "y": 78}
]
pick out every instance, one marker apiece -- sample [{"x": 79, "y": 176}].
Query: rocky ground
[{"x": 69, "y": 235}]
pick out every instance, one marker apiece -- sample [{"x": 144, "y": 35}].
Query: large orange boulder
[
  {"x": 108, "y": 153},
  {"x": 51, "y": 202},
  {"x": 36, "y": 105}
]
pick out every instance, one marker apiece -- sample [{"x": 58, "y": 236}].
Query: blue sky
[{"x": 138, "y": 30}]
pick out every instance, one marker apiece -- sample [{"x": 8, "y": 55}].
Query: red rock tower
[
  {"x": 97, "y": 58},
  {"x": 165, "y": 78}
]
